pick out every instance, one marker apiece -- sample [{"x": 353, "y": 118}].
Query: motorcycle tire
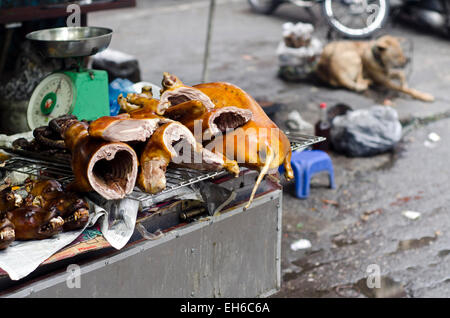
[
  {"x": 264, "y": 6},
  {"x": 357, "y": 33}
]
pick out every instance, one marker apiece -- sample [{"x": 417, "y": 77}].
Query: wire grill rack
[
  {"x": 301, "y": 141},
  {"x": 176, "y": 178}
]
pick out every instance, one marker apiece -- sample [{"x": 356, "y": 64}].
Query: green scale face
[{"x": 83, "y": 94}]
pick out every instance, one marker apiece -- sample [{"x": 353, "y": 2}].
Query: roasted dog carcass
[
  {"x": 178, "y": 102},
  {"x": 217, "y": 121},
  {"x": 22, "y": 220},
  {"x": 109, "y": 168},
  {"x": 173, "y": 142},
  {"x": 208, "y": 123},
  {"x": 48, "y": 140},
  {"x": 174, "y": 92},
  {"x": 43, "y": 191},
  {"x": 259, "y": 144}
]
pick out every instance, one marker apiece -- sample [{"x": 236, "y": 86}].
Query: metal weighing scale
[{"x": 78, "y": 91}]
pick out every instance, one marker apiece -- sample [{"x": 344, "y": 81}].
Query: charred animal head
[
  {"x": 7, "y": 234},
  {"x": 35, "y": 223}
]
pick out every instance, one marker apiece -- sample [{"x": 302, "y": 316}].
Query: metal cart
[{"x": 233, "y": 254}]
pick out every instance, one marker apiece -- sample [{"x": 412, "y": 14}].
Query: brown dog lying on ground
[{"x": 357, "y": 64}]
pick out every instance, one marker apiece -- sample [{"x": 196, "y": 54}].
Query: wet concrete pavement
[{"x": 360, "y": 223}]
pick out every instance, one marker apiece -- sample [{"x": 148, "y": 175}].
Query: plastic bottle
[{"x": 322, "y": 129}]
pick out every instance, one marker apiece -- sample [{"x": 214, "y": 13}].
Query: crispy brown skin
[
  {"x": 225, "y": 94},
  {"x": 29, "y": 220},
  {"x": 81, "y": 145},
  {"x": 186, "y": 111},
  {"x": 143, "y": 100},
  {"x": 83, "y": 148},
  {"x": 52, "y": 197},
  {"x": 5, "y": 224},
  {"x": 204, "y": 129},
  {"x": 174, "y": 93},
  {"x": 97, "y": 127},
  {"x": 69, "y": 205},
  {"x": 143, "y": 113},
  {"x": 155, "y": 153},
  {"x": 124, "y": 128},
  {"x": 135, "y": 101},
  {"x": 46, "y": 189},
  {"x": 259, "y": 144}
]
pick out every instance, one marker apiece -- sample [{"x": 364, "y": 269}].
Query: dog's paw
[
  {"x": 424, "y": 96},
  {"x": 361, "y": 87},
  {"x": 427, "y": 97}
]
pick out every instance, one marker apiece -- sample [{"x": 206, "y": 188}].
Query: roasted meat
[
  {"x": 7, "y": 233},
  {"x": 174, "y": 92},
  {"x": 217, "y": 121},
  {"x": 31, "y": 222},
  {"x": 9, "y": 200},
  {"x": 186, "y": 111},
  {"x": 173, "y": 142},
  {"x": 49, "y": 195},
  {"x": 48, "y": 138},
  {"x": 135, "y": 101},
  {"x": 125, "y": 129},
  {"x": 45, "y": 190},
  {"x": 61, "y": 123},
  {"x": 109, "y": 168},
  {"x": 73, "y": 209},
  {"x": 259, "y": 144}
]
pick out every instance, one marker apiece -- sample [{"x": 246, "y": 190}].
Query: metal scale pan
[
  {"x": 67, "y": 42},
  {"x": 75, "y": 90}
]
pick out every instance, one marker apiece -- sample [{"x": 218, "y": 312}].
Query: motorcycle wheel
[
  {"x": 356, "y": 18},
  {"x": 264, "y": 6}
]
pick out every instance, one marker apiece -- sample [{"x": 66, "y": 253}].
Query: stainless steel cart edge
[{"x": 235, "y": 254}]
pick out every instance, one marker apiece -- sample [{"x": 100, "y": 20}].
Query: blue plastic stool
[{"x": 306, "y": 164}]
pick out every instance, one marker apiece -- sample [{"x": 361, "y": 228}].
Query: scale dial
[{"x": 53, "y": 97}]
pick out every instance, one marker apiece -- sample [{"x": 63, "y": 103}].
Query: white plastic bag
[
  {"x": 299, "y": 51},
  {"x": 366, "y": 132}
]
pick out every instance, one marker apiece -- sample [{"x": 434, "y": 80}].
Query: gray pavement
[
  {"x": 364, "y": 225},
  {"x": 359, "y": 223}
]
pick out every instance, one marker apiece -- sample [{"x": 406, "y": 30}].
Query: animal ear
[{"x": 382, "y": 46}]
